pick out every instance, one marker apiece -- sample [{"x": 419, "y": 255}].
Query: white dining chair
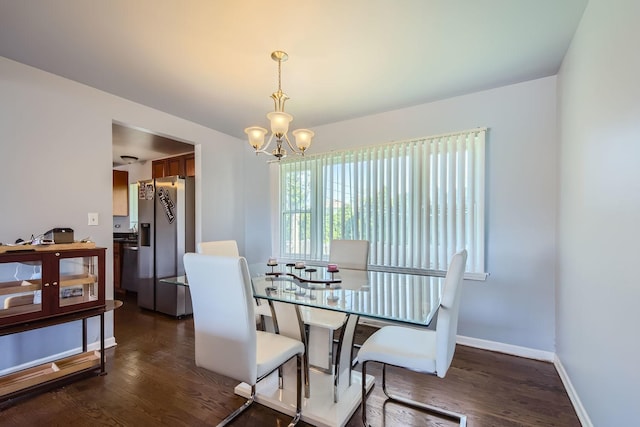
[
  {"x": 323, "y": 324},
  {"x": 219, "y": 248},
  {"x": 230, "y": 248},
  {"x": 420, "y": 350},
  {"x": 349, "y": 254},
  {"x": 287, "y": 321},
  {"x": 226, "y": 340}
]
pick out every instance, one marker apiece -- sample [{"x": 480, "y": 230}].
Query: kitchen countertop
[{"x": 125, "y": 237}]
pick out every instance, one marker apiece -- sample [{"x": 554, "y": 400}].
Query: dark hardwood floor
[{"x": 152, "y": 381}]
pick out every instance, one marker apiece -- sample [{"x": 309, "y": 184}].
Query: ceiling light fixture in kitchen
[{"x": 129, "y": 159}]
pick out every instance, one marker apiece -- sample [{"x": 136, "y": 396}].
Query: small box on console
[{"x": 59, "y": 235}]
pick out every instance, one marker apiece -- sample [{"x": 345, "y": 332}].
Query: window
[
  {"x": 417, "y": 202},
  {"x": 133, "y": 206}
]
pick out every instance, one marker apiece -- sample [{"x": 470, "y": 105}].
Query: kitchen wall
[
  {"x": 599, "y": 212},
  {"x": 55, "y": 137}
]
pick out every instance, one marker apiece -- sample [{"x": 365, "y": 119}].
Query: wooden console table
[{"x": 50, "y": 375}]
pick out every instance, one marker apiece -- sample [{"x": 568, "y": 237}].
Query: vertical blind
[{"x": 416, "y": 201}]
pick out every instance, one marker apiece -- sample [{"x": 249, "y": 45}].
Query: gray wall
[
  {"x": 599, "y": 212},
  {"x": 55, "y": 155}
]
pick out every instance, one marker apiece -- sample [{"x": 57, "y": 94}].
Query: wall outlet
[{"x": 93, "y": 218}]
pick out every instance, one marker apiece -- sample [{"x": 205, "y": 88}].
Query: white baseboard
[
  {"x": 108, "y": 342},
  {"x": 530, "y": 353},
  {"x": 573, "y": 396},
  {"x": 514, "y": 350},
  {"x": 499, "y": 347}
]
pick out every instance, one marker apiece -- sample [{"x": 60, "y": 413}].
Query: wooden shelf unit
[
  {"x": 47, "y": 285},
  {"x": 32, "y": 377},
  {"x": 52, "y": 374}
]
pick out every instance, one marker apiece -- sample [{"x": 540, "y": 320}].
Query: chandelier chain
[{"x": 279, "y": 75}]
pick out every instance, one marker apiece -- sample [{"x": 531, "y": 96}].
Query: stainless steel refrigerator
[{"x": 166, "y": 230}]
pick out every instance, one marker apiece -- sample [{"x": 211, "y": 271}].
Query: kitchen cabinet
[
  {"x": 120, "y": 193},
  {"x": 122, "y": 262},
  {"x": 48, "y": 282},
  {"x": 183, "y": 165},
  {"x": 190, "y": 165}
]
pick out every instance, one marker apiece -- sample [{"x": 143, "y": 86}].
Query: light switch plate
[{"x": 93, "y": 218}]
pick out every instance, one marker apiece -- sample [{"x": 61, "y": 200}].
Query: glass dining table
[
  {"x": 380, "y": 295},
  {"x": 410, "y": 299}
]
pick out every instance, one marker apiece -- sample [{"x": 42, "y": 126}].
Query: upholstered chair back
[
  {"x": 223, "y": 315},
  {"x": 350, "y": 254},
  {"x": 447, "y": 323},
  {"x": 219, "y": 248}
]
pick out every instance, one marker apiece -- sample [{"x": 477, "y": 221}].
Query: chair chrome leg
[
  {"x": 240, "y": 409},
  {"x": 261, "y": 324},
  {"x": 307, "y": 386},
  {"x": 296, "y": 418},
  {"x": 364, "y": 394},
  {"x": 462, "y": 419},
  {"x": 280, "y": 378}
]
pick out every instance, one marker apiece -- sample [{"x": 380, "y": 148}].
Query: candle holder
[
  {"x": 332, "y": 299},
  {"x": 270, "y": 288}
]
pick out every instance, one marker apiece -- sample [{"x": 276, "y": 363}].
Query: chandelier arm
[
  {"x": 295, "y": 150},
  {"x": 266, "y": 146}
]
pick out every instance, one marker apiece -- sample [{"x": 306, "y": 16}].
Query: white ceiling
[{"x": 208, "y": 61}]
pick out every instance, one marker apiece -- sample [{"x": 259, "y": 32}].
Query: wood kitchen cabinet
[
  {"x": 120, "y": 193},
  {"x": 183, "y": 165},
  {"x": 190, "y": 165}
]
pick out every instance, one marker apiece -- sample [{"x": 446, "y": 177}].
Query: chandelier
[{"x": 279, "y": 123}]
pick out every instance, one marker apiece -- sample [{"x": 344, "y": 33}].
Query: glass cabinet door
[
  {"x": 20, "y": 288},
  {"x": 78, "y": 280}
]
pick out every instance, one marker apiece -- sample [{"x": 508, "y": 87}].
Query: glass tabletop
[
  {"x": 176, "y": 280},
  {"x": 407, "y": 298}
]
